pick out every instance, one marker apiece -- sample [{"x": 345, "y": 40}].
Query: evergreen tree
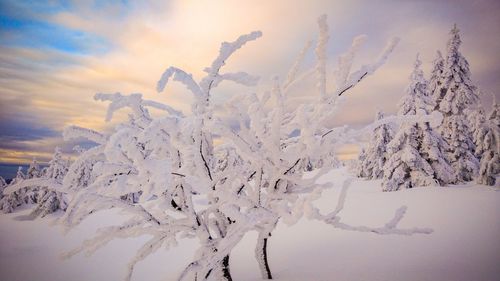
[
  {"x": 52, "y": 200},
  {"x": 3, "y": 184},
  {"x": 360, "y": 171},
  {"x": 494, "y": 117},
  {"x": 46, "y": 198},
  {"x": 376, "y": 156},
  {"x": 19, "y": 175},
  {"x": 459, "y": 94},
  {"x": 416, "y": 155},
  {"x": 9, "y": 202},
  {"x": 327, "y": 159},
  {"x": 490, "y": 162},
  {"x": 435, "y": 80},
  {"x": 33, "y": 170},
  {"x": 478, "y": 129},
  {"x": 490, "y": 147},
  {"x": 58, "y": 167}
]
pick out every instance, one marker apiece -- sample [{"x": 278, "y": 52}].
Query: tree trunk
[
  {"x": 225, "y": 274},
  {"x": 261, "y": 255},
  {"x": 225, "y": 269}
]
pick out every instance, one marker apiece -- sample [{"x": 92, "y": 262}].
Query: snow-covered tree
[
  {"x": 494, "y": 117},
  {"x": 10, "y": 201},
  {"x": 31, "y": 195},
  {"x": 34, "y": 170},
  {"x": 3, "y": 184},
  {"x": 459, "y": 92},
  {"x": 170, "y": 160},
  {"x": 490, "y": 162},
  {"x": 49, "y": 198},
  {"x": 436, "y": 90},
  {"x": 478, "y": 129},
  {"x": 490, "y": 147},
  {"x": 376, "y": 154},
  {"x": 458, "y": 95},
  {"x": 57, "y": 168},
  {"x": 191, "y": 186},
  {"x": 81, "y": 173},
  {"x": 326, "y": 159},
  {"x": 20, "y": 176},
  {"x": 416, "y": 152},
  {"x": 44, "y": 191},
  {"x": 360, "y": 171}
]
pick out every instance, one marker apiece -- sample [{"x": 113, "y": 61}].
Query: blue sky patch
[
  {"x": 17, "y": 130},
  {"x": 22, "y": 26}
]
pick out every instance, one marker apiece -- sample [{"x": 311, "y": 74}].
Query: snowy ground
[{"x": 465, "y": 244}]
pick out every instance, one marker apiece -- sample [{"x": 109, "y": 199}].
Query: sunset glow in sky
[{"x": 55, "y": 55}]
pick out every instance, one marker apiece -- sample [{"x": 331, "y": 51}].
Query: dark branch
[
  {"x": 325, "y": 134},
  {"x": 352, "y": 85},
  {"x": 205, "y": 161},
  {"x": 249, "y": 178},
  {"x": 296, "y": 162}
]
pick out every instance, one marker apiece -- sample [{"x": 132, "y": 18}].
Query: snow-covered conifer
[
  {"x": 50, "y": 200},
  {"x": 11, "y": 201},
  {"x": 416, "y": 152},
  {"x": 31, "y": 195},
  {"x": 20, "y": 176},
  {"x": 57, "y": 168},
  {"x": 82, "y": 172},
  {"x": 494, "y": 117},
  {"x": 490, "y": 147},
  {"x": 326, "y": 159},
  {"x": 458, "y": 95},
  {"x": 478, "y": 129},
  {"x": 435, "y": 80},
  {"x": 33, "y": 170},
  {"x": 490, "y": 161},
  {"x": 42, "y": 190},
  {"x": 360, "y": 171},
  {"x": 376, "y": 154},
  {"x": 3, "y": 184},
  {"x": 459, "y": 92}
]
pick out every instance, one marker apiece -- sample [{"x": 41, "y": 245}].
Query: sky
[{"x": 55, "y": 55}]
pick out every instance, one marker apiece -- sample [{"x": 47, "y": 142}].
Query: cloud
[
  {"x": 124, "y": 46},
  {"x": 14, "y": 130}
]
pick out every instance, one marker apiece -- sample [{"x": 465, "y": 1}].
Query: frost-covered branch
[
  {"x": 434, "y": 119},
  {"x": 180, "y": 76},
  {"x": 292, "y": 73},
  {"x": 346, "y": 60},
  {"x": 365, "y": 70},
  {"x": 135, "y": 102},
  {"x": 75, "y": 132},
  {"x": 390, "y": 227},
  {"x": 35, "y": 182},
  {"x": 202, "y": 89},
  {"x": 321, "y": 56},
  {"x": 226, "y": 50}
]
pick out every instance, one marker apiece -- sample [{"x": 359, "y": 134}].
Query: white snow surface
[{"x": 465, "y": 244}]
